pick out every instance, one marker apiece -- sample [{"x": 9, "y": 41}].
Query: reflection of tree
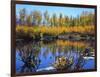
[
  {"x": 29, "y": 56},
  {"x": 71, "y": 53},
  {"x": 57, "y": 50},
  {"x": 80, "y": 62},
  {"x": 45, "y": 52}
]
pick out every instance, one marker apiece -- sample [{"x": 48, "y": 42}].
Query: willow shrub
[
  {"x": 25, "y": 32},
  {"x": 40, "y": 31}
]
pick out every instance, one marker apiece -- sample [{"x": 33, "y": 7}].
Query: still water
[{"x": 37, "y": 56}]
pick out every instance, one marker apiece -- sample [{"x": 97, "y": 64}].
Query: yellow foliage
[
  {"x": 55, "y": 30},
  {"x": 71, "y": 43}
]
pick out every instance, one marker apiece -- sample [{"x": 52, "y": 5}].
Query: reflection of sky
[
  {"x": 47, "y": 59},
  {"x": 69, "y": 11}
]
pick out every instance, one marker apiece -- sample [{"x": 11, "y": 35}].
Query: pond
[{"x": 41, "y": 56}]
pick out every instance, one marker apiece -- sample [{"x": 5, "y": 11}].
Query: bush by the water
[{"x": 40, "y": 31}]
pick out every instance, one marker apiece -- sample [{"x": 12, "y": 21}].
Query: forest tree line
[{"x": 38, "y": 18}]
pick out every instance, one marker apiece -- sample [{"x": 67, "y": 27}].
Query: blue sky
[{"x": 66, "y": 11}]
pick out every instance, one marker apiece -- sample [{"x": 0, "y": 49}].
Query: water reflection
[
  {"x": 36, "y": 56},
  {"x": 28, "y": 54}
]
